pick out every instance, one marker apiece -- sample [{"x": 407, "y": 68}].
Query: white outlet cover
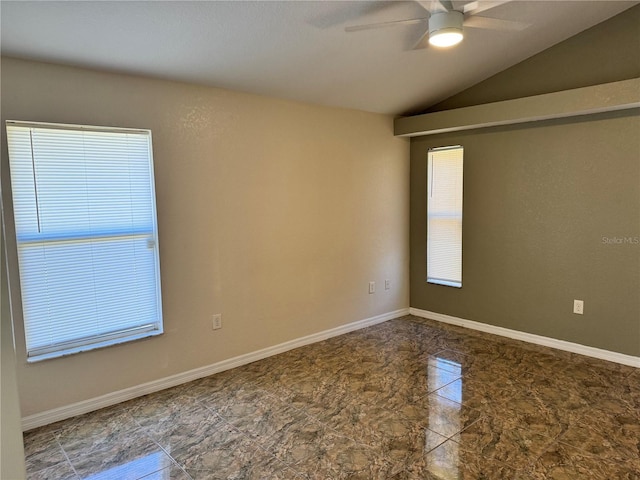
[{"x": 578, "y": 307}]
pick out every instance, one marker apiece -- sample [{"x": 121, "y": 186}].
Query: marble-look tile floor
[{"x": 406, "y": 399}]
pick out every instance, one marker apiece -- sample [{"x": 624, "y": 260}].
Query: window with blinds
[
  {"x": 87, "y": 239},
  {"x": 444, "y": 216}
]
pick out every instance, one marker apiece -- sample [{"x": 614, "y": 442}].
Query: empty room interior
[{"x": 320, "y": 240}]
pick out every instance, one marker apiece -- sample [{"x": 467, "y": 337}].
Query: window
[
  {"x": 444, "y": 216},
  {"x": 86, "y": 235}
]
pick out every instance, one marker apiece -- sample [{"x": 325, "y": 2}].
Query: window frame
[
  {"x": 123, "y": 335},
  {"x": 457, "y": 216}
]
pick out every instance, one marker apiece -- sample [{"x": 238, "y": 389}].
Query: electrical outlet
[
  {"x": 372, "y": 287},
  {"x": 387, "y": 284},
  {"x": 578, "y": 307},
  {"x": 216, "y": 321}
]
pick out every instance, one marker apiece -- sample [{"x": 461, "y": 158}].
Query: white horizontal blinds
[
  {"x": 444, "y": 213},
  {"x": 84, "y": 211}
]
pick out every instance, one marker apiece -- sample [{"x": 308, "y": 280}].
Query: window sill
[
  {"x": 446, "y": 283},
  {"x": 94, "y": 346}
]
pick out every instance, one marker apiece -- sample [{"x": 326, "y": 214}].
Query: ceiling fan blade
[
  {"x": 347, "y": 12},
  {"x": 436, "y": 6},
  {"x": 495, "y": 24},
  {"x": 473, "y": 8},
  {"x": 371, "y": 26},
  {"x": 422, "y": 42}
]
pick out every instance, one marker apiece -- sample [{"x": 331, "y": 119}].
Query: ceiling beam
[{"x": 606, "y": 97}]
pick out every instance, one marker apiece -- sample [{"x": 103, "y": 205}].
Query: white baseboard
[
  {"x": 50, "y": 416},
  {"x": 531, "y": 338}
]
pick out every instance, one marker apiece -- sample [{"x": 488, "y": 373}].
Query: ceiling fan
[{"x": 444, "y": 24}]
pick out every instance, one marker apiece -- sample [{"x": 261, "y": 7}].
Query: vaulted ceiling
[{"x": 297, "y": 50}]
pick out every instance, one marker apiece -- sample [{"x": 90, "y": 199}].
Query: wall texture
[
  {"x": 551, "y": 209},
  {"x": 540, "y": 204},
  {"x": 274, "y": 213}
]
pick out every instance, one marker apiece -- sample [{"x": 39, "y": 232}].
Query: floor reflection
[
  {"x": 155, "y": 463},
  {"x": 444, "y": 415}
]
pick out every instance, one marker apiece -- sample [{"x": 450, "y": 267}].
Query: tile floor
[{"x": 406, "y": 399}]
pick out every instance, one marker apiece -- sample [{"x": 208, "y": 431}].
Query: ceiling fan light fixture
[
  {"x": 446, "y": 38},
  {"x": 445, "y": 28}
]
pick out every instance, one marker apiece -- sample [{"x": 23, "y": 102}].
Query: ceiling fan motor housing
[{"x": 445, "y": 22}]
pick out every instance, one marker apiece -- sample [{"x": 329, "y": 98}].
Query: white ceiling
[{"x": 289, "y": 49}]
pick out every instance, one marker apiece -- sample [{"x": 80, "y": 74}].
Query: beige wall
[
  {"x": 11, "y": 447},
  {"x": 274, "y": 213},
  {"x": 541, "y": 201}
]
